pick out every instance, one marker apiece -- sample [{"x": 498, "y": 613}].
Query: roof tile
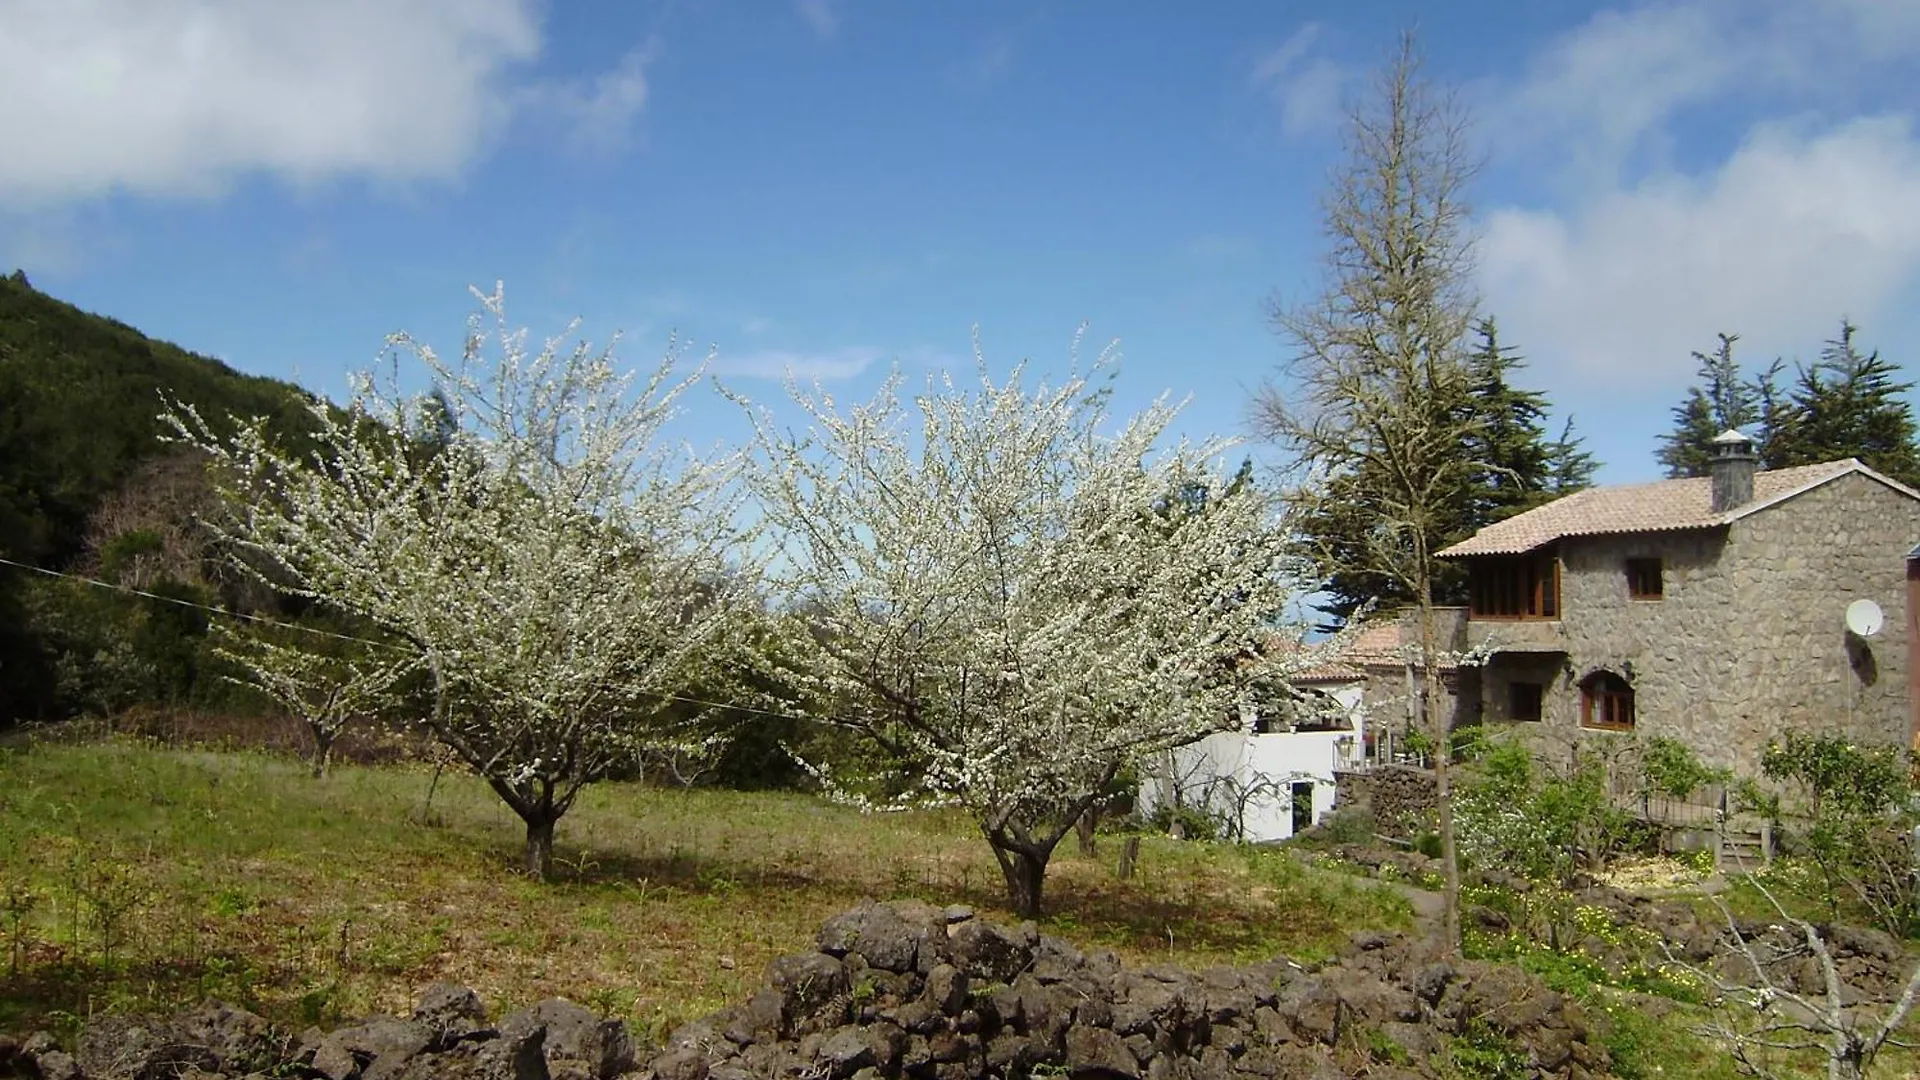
[{"x": 1660, "y": 506}]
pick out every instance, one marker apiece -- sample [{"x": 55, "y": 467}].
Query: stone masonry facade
[{"x": 1748, "y": 638}]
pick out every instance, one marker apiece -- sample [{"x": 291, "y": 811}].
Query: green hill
[
  {"x": 80, "y": 396},
  {"x": 79, "y": 404}
]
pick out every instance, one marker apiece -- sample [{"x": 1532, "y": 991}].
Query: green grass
[{"x": 136, "y": 877}]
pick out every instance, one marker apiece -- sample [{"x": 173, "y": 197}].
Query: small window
[
  {"x": 1643, "y": 579},
  {"x": 1523, "y": 700},
  {"x": 1606, "y": 702}
]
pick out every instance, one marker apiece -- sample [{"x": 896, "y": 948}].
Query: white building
[{"x": 1265, "y": 781}]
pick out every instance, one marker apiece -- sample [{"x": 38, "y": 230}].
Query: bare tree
[
  {"x": 1371, "y": 402},
  {"x": 1760, "y": 1011}
]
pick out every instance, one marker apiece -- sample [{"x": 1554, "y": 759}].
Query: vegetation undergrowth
[{"x": 137, "y": 877}]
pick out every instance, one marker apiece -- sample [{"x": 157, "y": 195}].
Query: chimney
[{"x": 1732, "y": 470}]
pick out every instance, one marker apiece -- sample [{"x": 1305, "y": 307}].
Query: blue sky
[{"x": 839, "y": 185}]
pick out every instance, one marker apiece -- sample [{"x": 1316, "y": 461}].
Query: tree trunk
[
  {"x": 1026, "y": 875},
  {"x": 1024, "y": 865},
  {"x": 539, "y": 853},
  {"x": 1084, "y": 828},
  {"x": 1442, "y": 735},
  {"x": 322, "y": 752}
]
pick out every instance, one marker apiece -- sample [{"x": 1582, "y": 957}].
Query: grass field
[{"x": 139, "y": 877}]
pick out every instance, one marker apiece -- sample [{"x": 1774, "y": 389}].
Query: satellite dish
[{"x": 1864, "y": 618}]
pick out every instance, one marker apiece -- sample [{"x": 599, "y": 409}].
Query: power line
[{"x": 264, "y": 621}]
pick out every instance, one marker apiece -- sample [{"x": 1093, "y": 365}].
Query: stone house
[{"x": 1709, "y": 610}]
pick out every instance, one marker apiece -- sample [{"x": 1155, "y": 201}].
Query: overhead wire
[{"x": 264, "y": 621}]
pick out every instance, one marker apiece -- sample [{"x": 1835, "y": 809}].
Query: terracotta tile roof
[
  {"x": 1377, "y": 644},
  {"x": 1330, "y": 673},
  {"x": 1656, "y": 507}
]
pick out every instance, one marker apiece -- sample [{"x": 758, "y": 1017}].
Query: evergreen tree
[
  {"x": 1845, "y": 405},
  {"x": 1722, "y": 400},
  {"x": 1570, "y": 466},
  {"x": 1515, "y": 467},
  {"x": 1848, "y": 405},
  {"x": 1505, "y": 439}
]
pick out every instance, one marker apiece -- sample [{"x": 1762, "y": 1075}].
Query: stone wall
[
  {"x": 1402, "y": 800},
  {"x": 1748, "y": 639},
  {"x": 910, "y": 990}
]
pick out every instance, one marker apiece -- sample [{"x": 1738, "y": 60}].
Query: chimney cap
[{"x": 1731, "y": 438}]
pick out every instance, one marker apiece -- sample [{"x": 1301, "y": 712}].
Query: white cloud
[
  {"x": 819, "y": 17},
  {"x": 1720, "y": 165},
  {"x": 779, "y": 364},
  {"x": 1793, "y": 230},
  {"x": 181, "y": 97},
  {"x": 1611, "y": 90},
  {"x": 597, "y": 111},
  {"x": 1309, "y": 88}
]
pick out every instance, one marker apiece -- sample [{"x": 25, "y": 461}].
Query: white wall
[{"x": 1283, "y": 758}]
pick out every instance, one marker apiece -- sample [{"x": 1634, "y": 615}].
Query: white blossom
[
  {"x": 1015, "y": 600},
  {"x": 528, "y": 533}
]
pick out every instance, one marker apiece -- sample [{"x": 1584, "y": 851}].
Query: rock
[
  {"x": 134, "y": 1048},
  {"x": 1096, "y": 1054},
  {"x": 845, "y": 1052},
  {"x": 878, "y": 933},
  {"x": 40, "y": 1042},
  {"x": 1314, "y": 1010},
  {"x": 810, "y": 985},
  {"x": 57, "y": 1065},
  {"x": 599, "y": 1044},
  {"x": 758, "y": 1021},
  {"x": 685, "y": 1063},
  {"x": 375, "y": 1049},
  {"x": 947, "y": 989},
  {"x": 240, "y": 1041},
  {"x": 1432, "y": 981},
  {"x": 1369, "y": 941},
  {"x": 451, "y": 1013},
  {"x": 1144, "y": 1003},
  {"x": 989, "y": 952},
  {"x": 509, "y": 1056}
]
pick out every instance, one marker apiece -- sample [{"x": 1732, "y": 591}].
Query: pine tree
[
  {"x": 1848, "y": 405},
  {"x": 1720, "y": 401},
  {"x": 1506, "y": 438},
  {"x": 1570, "y": 466}
]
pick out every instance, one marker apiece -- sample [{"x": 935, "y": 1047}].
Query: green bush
[{"x": 1545, "y": 825}]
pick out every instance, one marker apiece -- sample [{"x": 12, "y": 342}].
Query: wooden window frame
[
  {"x": 1514, "y": 589},
  {"x": 1606, "y": 703},
  {"x": 1645, "y": 571},
  {"x": 1536, "y": 691}
]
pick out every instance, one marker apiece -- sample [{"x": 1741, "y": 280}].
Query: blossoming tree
[
  {"x": 1014, "y": 602},
  {"x": 526, "y": 533}
]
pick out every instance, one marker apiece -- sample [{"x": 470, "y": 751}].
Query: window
[
  {"x": 1524, "y": 699},
  {"x": 1523, "y": 588},
  {"x": 1606, "y": 702},
  {"x": 1643, "y": 579}
]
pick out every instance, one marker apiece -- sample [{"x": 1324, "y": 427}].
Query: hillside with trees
[{"x": 87, "y": 485}]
